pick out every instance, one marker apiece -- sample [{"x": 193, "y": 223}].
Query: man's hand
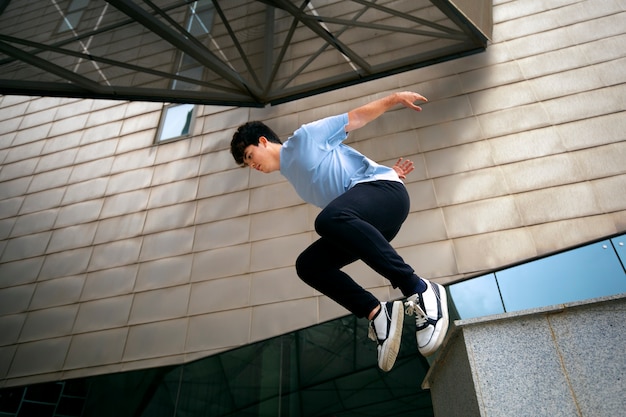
[
  {"x": 403, "y": 167},
  {"x": 408, "y": 99},
  {"x": 361, "y": 116}
]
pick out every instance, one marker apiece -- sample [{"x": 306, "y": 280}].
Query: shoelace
[{"x": 413, "y": 308}]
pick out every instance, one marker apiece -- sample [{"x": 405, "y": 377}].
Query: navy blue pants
[{"x": 359, "y": 224}]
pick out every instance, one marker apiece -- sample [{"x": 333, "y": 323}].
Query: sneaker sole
[
  {"x": 442, "y": 324},
  {"x": 390, "y": 349}
]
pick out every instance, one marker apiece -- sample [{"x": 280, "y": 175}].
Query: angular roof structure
[{"x": 235, "y": 52}]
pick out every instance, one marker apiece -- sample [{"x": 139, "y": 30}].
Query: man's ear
[{"x": 263, "y": 141}]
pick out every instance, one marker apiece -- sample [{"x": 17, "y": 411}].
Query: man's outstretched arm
[{"x": 361, "y": 116}]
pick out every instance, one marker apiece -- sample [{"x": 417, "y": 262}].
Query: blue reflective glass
[
  {"x": 619, "y": 243},
  {"x": 584, "y": 273},
  {"x": 476, "y": 297}
]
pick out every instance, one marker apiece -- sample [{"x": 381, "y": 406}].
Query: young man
[{"x": 363, "y": 206}]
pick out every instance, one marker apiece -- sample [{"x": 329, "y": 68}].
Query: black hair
[{"x": 248, "y": 134}]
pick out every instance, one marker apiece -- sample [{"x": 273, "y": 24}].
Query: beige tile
[
  {"x": 100, "y": 348},
  {"x": 431, "y": 260},
  {"x": 458, "y": 159},
  {"x": 157, "y": 305},
  {"x": 156, "y": 339},
  {"x": 576, "y": 106},
  {"x": 86, "y": 190},
  {"x": 220, "y": 294},
  {"x": 26, "y": 246},
  {"x": 163, "y": 273},
  {"x": 223, "y": 182},
  {"x": 222, "y": 233},
  {"x": 129, "y": 180},
  {"x": 170, "y": 217},
  {"x": 110, "y": 282},
  {"x": 99, "y": 150},
  {"x": 221, "y": 262},
  {"x": 571, "y": 232},
  {"x": 66, "y": 263},
  {"x": 274, "y": 319},
  {"x": 222, "y": 207},
  {"x": 127, "y": 203},
  {"x": 35, "y": 222},
  {"x": 11, "y": 326},
  {"x": 203, "y": 330},
  {"x": 272, "y": 197},
  {"x": 514, "y": 120},
  {"x": 173, "y": 193},
  {"x": 494, "y": 250},
  {"x": 502, "y": 97},
  {"x": 114, "y": 254},
  {"x": 79, "y": 213},
  {"x": 91, "y": 170},
  {"x": 121, "y": 227},
  {"x": 422, "y": 194},
  {"x": 482, "y": 216},
  {"x": 49, "y": 323},
  {"x": 20, "y": 272},
  {"x": 42, "y": 200},
  {"x": 103, "y": 314},
  {"x": 57, "y": 292},
  {"x": 6, "y": 357},
  {"x": 278, "y": 252},
  {"x": 50, "y": 179},
  {"x": 140, "y": 159},
  {"x": 421, "y": 227},
  {"x": 72, "y": 237},
  {"x": 176, "y": 170},
  {"x": 549, "y": 171},
  {"x": 279, "y": 222},
  {"x": 602, "y": 161},
  {"x": 39, "y": 357},
  {"x": 471, "y": 186},
  {"x": 611, "y": 193},
  {"x": 452, "y": 133},
  {"x": 557, "y": 203},
  {"x": 526, "y": 145},
  {"x": 278, "y": 285}
]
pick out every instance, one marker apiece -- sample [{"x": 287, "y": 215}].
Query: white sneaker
[
  {"x": 386, "y": 330},
  {"x": 431, "y": 317}
]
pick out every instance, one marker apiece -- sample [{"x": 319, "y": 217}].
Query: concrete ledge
[{"x": 563, "y": 360}]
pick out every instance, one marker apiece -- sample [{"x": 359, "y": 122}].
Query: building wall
[{"x": 118, "y": 254}]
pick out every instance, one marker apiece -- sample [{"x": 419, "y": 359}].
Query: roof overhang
[{"x": 243, "y": 53}]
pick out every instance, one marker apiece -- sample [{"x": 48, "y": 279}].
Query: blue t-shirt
[{"x": 321, "y": 168}]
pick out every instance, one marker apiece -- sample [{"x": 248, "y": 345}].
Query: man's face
[{"x": 260, "y": 157}]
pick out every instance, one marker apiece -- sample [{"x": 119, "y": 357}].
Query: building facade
[{"x": 119, "y": 252}]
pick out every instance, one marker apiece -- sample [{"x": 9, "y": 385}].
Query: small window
[{"x": 176, "y": 122}]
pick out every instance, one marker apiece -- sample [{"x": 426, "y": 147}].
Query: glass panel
[
  {"x": 70, "y": 21},
  {"x": 584, "y": 273},
  {"x": 176, "y": 121},
  {"x": 77, "y": 4},
  {"x": 619, "y": 243},
  {"x": 476, "y": 297}
]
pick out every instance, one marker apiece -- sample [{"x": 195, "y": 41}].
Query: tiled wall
[{"x": 118, "y": 254}]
